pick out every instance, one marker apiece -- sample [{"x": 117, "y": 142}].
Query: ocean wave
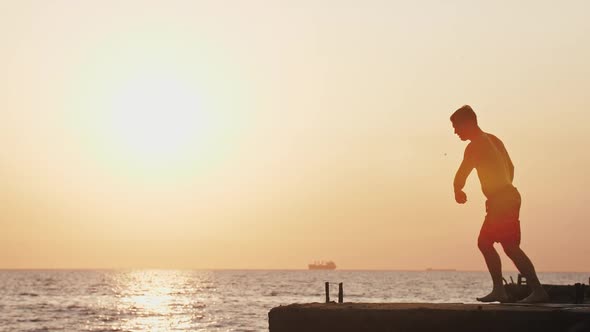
[{"x": 184, "y": 300}]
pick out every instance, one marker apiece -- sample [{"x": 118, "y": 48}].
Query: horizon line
[{"x": 265, "y": 269}]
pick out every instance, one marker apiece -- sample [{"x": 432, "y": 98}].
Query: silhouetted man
[{"x": 487, "y": 154}]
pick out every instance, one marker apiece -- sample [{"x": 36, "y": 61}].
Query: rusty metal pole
[
  {"x": 327, "y": 292},
  {"x": 340, "y": 293},
  {"x": 579, "y": 293}
]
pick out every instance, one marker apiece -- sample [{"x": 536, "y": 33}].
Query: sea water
[{"x": 198, "y": 300}]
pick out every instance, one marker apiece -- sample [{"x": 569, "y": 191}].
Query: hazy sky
[{"x": 269, "y": 134}]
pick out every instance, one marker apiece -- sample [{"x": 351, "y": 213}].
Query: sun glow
[{"x": 158, "y": 120}]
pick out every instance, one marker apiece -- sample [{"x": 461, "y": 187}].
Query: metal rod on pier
[
  {"x": 327, "y": 292},
  {"x": 579, "y": 293},
  {"x": 340, "y": 293}
]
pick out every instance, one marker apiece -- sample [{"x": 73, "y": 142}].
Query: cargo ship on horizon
[
  {"x": 322, "y": 265},
  {"x": 440, "y": 270}
]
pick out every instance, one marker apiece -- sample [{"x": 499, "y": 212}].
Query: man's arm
[{"x": 467, "y": 165}]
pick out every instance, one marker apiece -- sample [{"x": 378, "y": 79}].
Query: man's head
[{"x": 465, "y": 122}]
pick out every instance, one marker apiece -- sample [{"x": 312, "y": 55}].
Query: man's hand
[{"x": 460, "y": 197}]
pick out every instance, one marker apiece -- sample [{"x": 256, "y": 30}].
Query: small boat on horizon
[
  {"x": 440, "y": 270},
  {"x": 322, "y": 265}
]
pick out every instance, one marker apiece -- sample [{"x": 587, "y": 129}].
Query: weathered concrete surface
[
  {"x": 557, "y": 293},
  {"x": 418, "y": 317}
]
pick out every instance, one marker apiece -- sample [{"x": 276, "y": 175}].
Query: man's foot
[
  {"x": 537, "y": 296},
  {"x": 495, "y": 296}
]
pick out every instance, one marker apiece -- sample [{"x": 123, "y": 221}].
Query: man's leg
[
  {"x": 495, "y": 267},
  {"x": 526, "y": 268}
]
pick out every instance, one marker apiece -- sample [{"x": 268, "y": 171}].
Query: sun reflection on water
[{"x": 157, "y": 300}]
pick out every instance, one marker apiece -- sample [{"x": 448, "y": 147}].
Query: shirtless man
[{"x": 487, "y": 154}]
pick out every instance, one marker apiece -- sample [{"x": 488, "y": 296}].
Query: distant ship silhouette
[
  {"x": 440, "y": 270},
  {"x": 322, "y": 265}
]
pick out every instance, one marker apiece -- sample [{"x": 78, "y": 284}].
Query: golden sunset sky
[{"x": 269, "y": 134}]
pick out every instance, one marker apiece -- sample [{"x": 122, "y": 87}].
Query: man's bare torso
[{"x": 492, "y": 162}]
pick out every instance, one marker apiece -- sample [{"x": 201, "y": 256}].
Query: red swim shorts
[{"x": 502, "y": 222}]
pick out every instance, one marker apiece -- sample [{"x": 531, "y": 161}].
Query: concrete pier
[{"x": 422, "y": 317}]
